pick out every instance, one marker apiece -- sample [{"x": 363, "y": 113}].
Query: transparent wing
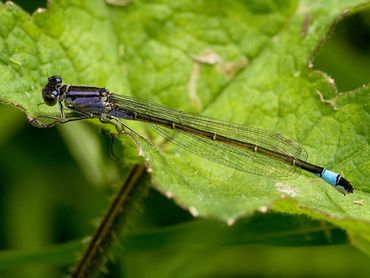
[{"x": 223, "y": 153}]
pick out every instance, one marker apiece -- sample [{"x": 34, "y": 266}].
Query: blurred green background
[{"x": 52, "y": 196}]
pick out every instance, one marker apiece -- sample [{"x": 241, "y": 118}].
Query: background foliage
[{"x": 55, "y": 182}]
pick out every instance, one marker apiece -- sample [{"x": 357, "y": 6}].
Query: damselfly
[{"x": 243, "y": 148}]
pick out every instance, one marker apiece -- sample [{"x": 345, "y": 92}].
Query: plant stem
[{"x": 94, "y": 252}]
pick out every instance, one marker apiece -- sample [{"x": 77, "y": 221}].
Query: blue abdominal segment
[
  {"x": 336, "y": 180},
  {"x": 330, "y": 177}
]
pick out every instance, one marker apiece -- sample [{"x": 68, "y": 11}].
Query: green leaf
[
  {"x": 241, "y": 61},
  {"x": 273, "y": 230},
  {"x": 228, "y": 249}
]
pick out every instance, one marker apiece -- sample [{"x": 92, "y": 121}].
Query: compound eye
[
  {"x": 50, "y": 97},
  {"x": 55, "y": 79}
]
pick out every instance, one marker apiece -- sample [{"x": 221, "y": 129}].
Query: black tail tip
[{"x": 348, "y": 187}]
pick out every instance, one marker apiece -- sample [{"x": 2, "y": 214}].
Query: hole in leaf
[
  {"x": 30, "y": 6},
  {"x": 346, "y": 54}
]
